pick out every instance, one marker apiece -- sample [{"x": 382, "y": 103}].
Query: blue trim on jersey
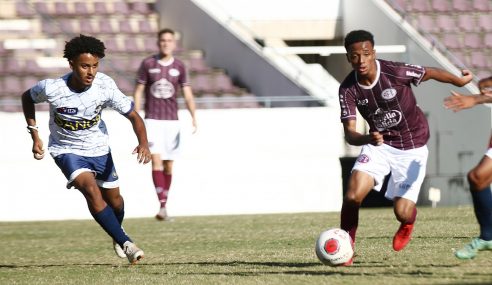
[
  {"x": 102, "y": 166},
  {"x": 131, "y": 109}
]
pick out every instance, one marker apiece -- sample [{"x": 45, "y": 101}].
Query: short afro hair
[
  {"x": 83, "y": 44},
  {"x": 358, "y": 36}
]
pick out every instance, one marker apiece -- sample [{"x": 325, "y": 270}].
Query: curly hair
[
  {"x": 358, "y": 36},
  {"x": 83, "y": 44}
]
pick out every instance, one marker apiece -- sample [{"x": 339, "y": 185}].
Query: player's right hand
[
  {"x": 376, "y": 138},
  {"x": 37, "y": 150}
]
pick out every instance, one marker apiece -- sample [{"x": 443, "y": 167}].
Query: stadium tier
[{"x": 128, "y": 29}]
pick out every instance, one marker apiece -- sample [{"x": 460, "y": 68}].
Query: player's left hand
[
  {"x": 143, "y": 154},
  {"x": 194, "y": 126},
  {"x": 458, "y": 102}
]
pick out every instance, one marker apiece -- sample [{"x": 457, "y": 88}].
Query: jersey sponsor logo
[
  {"x": 67, "y": 110},
  {"x": 173, "y": 72},
  {"x": 389, "y": 93},
  {"x": 162, "y": 89},
  {"x": 386, "y": 119},
  {"x": 154, "y": 70},
  {"x": 76, "y": 125},
  {"x": 363, "y": 158},
  {"x": 362, "y": 102},
  {"x": 413, "y": 65},
  {"x": 413, "y": 74}
]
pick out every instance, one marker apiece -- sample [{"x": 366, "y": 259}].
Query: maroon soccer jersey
[
  {"x": 162, "y": 81},
  {"x": 388, "y": 105}
]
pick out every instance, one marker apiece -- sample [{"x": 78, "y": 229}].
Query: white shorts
[
  {"x": 489, "y": 153},
  {"x": 164, "y": 137},
  {"x": 407, "y": 169}
]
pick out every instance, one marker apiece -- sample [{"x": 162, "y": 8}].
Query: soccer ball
[{"x": 334, "y": 247}]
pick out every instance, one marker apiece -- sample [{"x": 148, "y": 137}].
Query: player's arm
[
  {"x": 353, "y": 137},
  {"x": 444, "y": 76},
  {"x": 30, "y": 116},
  {"x": 142, "y": 149},
  {"x": 458, "y": 101},
  {"x": 137, "y": 96},
  {"x": 190, "y": 104}
]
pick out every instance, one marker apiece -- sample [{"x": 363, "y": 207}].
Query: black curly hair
[
  {"x": 83, "y": 44},
  {"x": 358, "y": 36}
]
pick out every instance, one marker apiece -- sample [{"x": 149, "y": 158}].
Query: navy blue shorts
[{"x": 102, "y": 166}]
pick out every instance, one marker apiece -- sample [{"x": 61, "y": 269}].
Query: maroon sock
[
  {"x": 349, "y": 219},
  {"x": 160, "y": 185},
  {"x": 167, "y": 185}
]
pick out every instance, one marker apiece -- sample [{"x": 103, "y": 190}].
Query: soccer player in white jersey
[
  {"x": 160, "y": 77},
  {"x": 78, "y": 139},
  {"x": 398, "y": 131},
  {"x": 480, "y": 177}
]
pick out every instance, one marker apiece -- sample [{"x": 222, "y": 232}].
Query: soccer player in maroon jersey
[
  {"x": 160, "y": 77},
  {"x": 398, "y": 131},
  {"x": 480, "y": 177}
]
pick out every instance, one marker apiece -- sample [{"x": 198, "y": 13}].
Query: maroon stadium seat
[
  {"x": 121, "y": 8},
  {"x": 446, "y": 23},
  {"x": 441, "y": 6},
  {"x": 472, "y": 40},
  {"x": 467, "y": 23},
  {"x": 427, "y": 24},
  {"x": 42, "y": 8},
  {"x": 126, "y": 27},
  {"x": 462, "y": 5},
  {"x": 105, "y": 26},
  {"x": 488, "y": 41},
  {"x": 150, "y": 44},
  {"x": 112, "y": 45},
  {"x": 131, "y": 45},
  {"x": 100, "y": 8},
  {"x": 23, "y": 9},
  {"x": 13, "y": 65},
  {"x": 12, "y": 85},
  {"x": 485, "y": 22},
  {"x": 86, "y": 26},
  {"x": 478, "y": 59},
  {"x": 61, "y": 9},
  {"x": 481, "y": 5},
  {"x": 80, "y": 8},
  {"x": 144, "y": 27},
  {"x": 451, "y": 41},
  {"x": 420, "y": 6},
  {"x": 141, "y": 7}
]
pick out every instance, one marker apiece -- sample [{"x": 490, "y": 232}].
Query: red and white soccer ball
[{"x": 334, "y": 247}]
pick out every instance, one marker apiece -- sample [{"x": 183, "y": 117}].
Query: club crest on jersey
[
  {"x": 173, "y": 72},
  {"x": 67, "y": 110},
  {"x": 389, "y": 93},
  {"x": 363, "y": 158}
]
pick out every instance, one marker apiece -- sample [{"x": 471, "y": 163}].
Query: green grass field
[{"x": 249, "y": 249}]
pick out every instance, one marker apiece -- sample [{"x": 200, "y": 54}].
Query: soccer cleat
[
  {"x": 133, "y": 253},
  {"x": 351, "y": 261},
  {"x": 402, "y": 236},
  {"x": 470, "y": 250},
  {"x": 118, "y": 250},
  {"x": 162, "y": 216}
]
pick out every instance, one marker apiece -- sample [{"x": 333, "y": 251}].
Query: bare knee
[
  {"x": 352, "y": 198},
  {"x": 404, "y": 210}
]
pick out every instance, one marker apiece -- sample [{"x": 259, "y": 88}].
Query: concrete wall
[
  {"x": 241, "y": 161},
  {"x": 458, "y": 140},
  {"x": 222, "y": 49}
]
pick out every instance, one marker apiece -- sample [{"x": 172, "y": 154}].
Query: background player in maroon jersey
[
  {"x": 160, "y": 76},
  {"x": 398, "y": 131},
  {"x": 480, "y": 177}
]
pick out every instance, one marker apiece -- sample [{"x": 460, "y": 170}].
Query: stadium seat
[
  {"x": 144, "y": 27},
  {"x": 32, "y": 67},
  {"x": 451, "y": 41},
  {"x": 472, "y": 40},
  {"x": 478, "y": 59},
  {"x": 81, "y": 9},
  {"x": 481, "y": 5},
  {"x": 86, "y": 27},
  {"x": 462, "y": 5},
  {"x": 61, "y": 9},
  {"x": 427, "y": 24},
  {"x": 121, "y": 8},
  {"x": 106, "y": 27},
  {"x": 467, "y": 23},
  {"x": 485, "y": 22},
  {"x": 112, "y": 45},
  {"x": 441, "y": 6},
  {"x": 446, "y": 23},
  {"x": 29, "y": 82},
  {"x": 131, "y": 45},
  {"x": 141, "y": 7},
  {"x": 223, "y": 83},
  {"x": 13, "y": 65},
  {"x": 420, "y": 6},
  {"x": 460, "y": 58},
  {"x": 68, "y": 26},
  {"x": 42, "y": 8},
  {"x": 100, "y": 8},
  {"x": 125, "y": 27},
  {"x": 12, "y": 85},
  {"x": 24, "y": 10},
  {"x": 488, "y": 41},
  {"x": 150, "y": 44}
]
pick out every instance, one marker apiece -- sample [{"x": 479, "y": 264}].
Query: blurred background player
[
  {"x": 398, "y": 131},
  {"x": 160, "y": 76},
  {"x": 79, "y": 139},
  {"x": 480, "y": 177}
]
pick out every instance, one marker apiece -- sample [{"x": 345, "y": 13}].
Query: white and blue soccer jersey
[{"x": 75, "y": 118}]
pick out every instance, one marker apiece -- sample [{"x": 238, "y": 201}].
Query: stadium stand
[
  {"x": 462, "y": 28},
  {"x": 128, "y": 29}
]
